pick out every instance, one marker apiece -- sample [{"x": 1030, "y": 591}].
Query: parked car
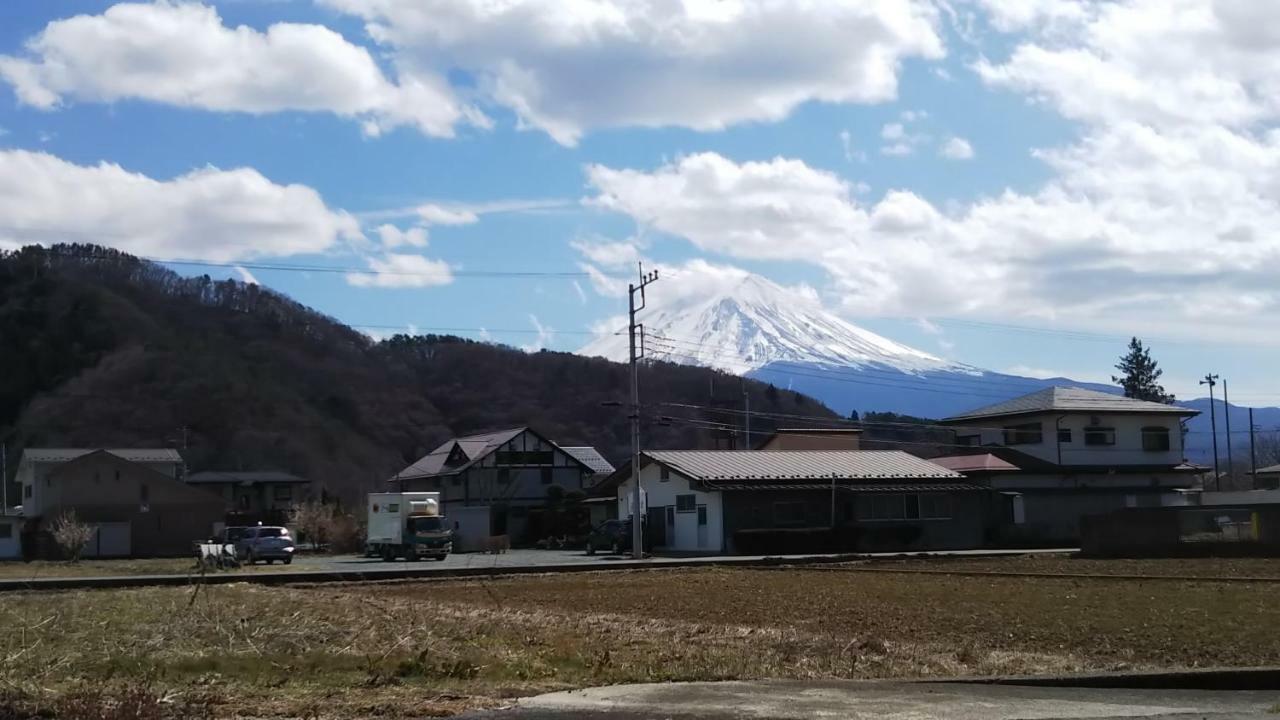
[
  {"x": 266, "y": 542},
  {"x": 611, "y": 535}
]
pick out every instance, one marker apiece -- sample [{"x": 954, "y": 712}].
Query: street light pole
[{"x": 637, "y": 520}]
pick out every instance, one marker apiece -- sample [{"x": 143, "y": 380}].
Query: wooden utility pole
[{"x": 637, "y": 519}]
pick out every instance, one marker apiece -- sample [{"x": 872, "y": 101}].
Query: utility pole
[
  {"x": 1253, "y": 455},
  {"x": 4, "y": 476},
  {"x": 637, "y": 520},
  {"x": 1226, "y": 403},
  {"x": 746, "y": 399},
  {"x": 1212, "y": 380}
]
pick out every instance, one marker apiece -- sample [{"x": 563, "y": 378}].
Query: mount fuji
[
  {"x": 767, "y": 332},
  {"x": 764, "y": 331}
]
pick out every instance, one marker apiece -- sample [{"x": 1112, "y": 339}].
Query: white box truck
[{"x": 407, "y": 525}]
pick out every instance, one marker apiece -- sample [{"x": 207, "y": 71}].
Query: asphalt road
[{"x": 785, "y": 700}]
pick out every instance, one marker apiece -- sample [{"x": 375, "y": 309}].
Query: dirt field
[
  {"x": 16, "y": 570},
  {"x": 431, "y": 648},
  {"x": 1064, "y": 564}
]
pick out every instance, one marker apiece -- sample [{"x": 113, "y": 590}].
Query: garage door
[{"x": 110, "y": 540}]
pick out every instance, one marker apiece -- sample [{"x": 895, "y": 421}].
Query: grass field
[
  {"x": 92, "y": 568},
  {"x": 433, "y": 648}
]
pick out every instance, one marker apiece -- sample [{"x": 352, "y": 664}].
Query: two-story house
[
  {"x": 135, "y": 500},
  {"x": 1076, "y": 452},
  {"x": 501, "y": 479}
]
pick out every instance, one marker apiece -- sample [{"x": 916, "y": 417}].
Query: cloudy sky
[{"x": 1016, "y": 184}]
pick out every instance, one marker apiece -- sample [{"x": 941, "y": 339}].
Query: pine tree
[{"x": 1141, "y": 375}]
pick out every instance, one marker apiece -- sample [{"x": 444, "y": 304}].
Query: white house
[
  {"x": 1077, "y": 452},
  {"x": 715, "y": 501}
]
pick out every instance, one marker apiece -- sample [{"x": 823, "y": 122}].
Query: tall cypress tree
[{"x": 1141, "y": 375}]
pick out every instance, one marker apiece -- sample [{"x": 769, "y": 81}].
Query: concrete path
[
  {"x": 784, "y": 700},
  {"x": 319, "y": 569}
]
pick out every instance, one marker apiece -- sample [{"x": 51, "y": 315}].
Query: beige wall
[
  {"x": 165, "y": 515},
  {"x": 813, "y": 440}
]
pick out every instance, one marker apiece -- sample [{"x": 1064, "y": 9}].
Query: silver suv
[{"x": 265, "y": 542}]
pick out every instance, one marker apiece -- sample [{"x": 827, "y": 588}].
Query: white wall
[
  {"x": 662, "y": 493},
  {"x": 11, "y": 546},
  {"x": 1127, "y": 450}
]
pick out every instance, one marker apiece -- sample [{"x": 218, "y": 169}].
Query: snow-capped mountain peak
[{"x": 755, "y": 323}]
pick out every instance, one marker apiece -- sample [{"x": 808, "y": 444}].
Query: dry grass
[
  {"x": 142, "y": 566},
  {"x": 1065, "y": 564},
  {"x": 433, "y": 648}
]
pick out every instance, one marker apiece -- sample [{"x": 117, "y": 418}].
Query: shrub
[{"x": 71, "y": 535}]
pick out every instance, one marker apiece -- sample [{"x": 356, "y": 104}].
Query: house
[
  {"x": 135, "y": 499},
  {"x": 1267, "y": 478},
  {"x": 1077, "y": 452},
  {"x": 714, "y": 501},
  {"x": 252, "y": 497},
  {"x": 589, "y": 456},
  {"x": 813, "y": 439},
  {"x": 501, "y": 483}
]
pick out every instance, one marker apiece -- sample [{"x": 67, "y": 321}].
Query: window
[
  {"x": 523, "y": 457},
  {"x": 1024, "y": 434},
  {"x": 6, "y": 531},
  {"x": 1155, "y": 439},
  {"x": 117, "y": 476},
  {"x": 686, "y": 503},
  {"x": 26, "y": 491},
  {"x": 923, "y": 506},
  {"x": 1099, "y": 436},
  {"x": 97, "y": 477},
  {"x": 971, "y": 440},
  {"x": 1064, "y": 435},
  {"x": 671, "y": 515},
  {"x": 664, "y": 474},
  {"x": 457, "y": 479},
  {"x": 702, "y": 515},
  {"x": 504, "y": 476},
  {"x": 144, "y": 493},
  {"x": 282, "y": 493},
  {"x": 393, "y": 507},
  {"x": 546, "y": 476},
  {"x": 788, "y": 514}
]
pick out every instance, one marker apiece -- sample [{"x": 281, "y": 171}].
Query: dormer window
[
  {"x": 1155, "y": 439},
  {"x": 1024, "y": 434}
]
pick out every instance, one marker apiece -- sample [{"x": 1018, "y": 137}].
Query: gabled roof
[
  {"x": 244, "y": 478},
  {"x": 799, "y": 465},
  {"x": 590, "y": 457},
  {"x": 1268, "y": 470},
  {"x": 140, "y": 455},
  {"x": 983, "y": 463},
  {"x": 469, "y": 450},
  {"x": 1070, "y": 399}
]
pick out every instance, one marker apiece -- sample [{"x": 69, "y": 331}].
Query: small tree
[
  {"x": 312, "y": 520},
  {"x": 71, "y": 535},
  {"x": 1141, "y": 375}
]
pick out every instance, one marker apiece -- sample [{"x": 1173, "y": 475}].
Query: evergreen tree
[{"x": 1141, "y": 375}]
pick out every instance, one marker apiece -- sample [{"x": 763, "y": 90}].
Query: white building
[
  {"x": 716, "y": 501},
  {"x": 1078, "y": 452}
]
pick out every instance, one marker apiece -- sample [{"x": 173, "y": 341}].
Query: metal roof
[
  {"x": 1268, "y": 470},
  {"x": 858, "y": 488},
  {"x": 473, "y": 446},
  {"x": 141, "y": 455},
  {"x": 719, "y": 465},
  {"x": 244, "y": 478},
  {"x": 985, "y": 462},
  {"x": 1071, "y": 399},
  {"x": 590, "y": 457}
]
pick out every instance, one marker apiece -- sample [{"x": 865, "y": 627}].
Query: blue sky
[{"x": 935, "y": 171}]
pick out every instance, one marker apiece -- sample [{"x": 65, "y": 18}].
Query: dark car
[{"x": 611, "y": 535}]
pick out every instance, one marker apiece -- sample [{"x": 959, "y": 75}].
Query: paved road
[
  {"x": 320, "y": 569},
  {"x": 517, "y": 558},
  {"x": 784, "y": 700}
]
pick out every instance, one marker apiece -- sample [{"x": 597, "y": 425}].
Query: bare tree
[
  {"x": 71, "y": 534},
  {"x": 311, "y": 519}
]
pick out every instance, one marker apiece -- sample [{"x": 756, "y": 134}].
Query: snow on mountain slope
[{"x": 757, "y": 323}]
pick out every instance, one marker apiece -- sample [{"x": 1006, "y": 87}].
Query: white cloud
[
  {"x": 1118, "y": 240},
  {"x": 570, "y": 67},
  {"x": 893, "y": 131},
  {"x": 396, "y": 270},
  {"x": 393, "y": 237},
  {"x": 246, "y": 276},
  {"x": 206, "y": 214},
  {"x": 582, "y": 294},
  {"x": 544, "y": 335},
  {"x": 956, "y": 148},
  {"x": 181, "y": 53},
  {"x": 899, "y": 140},
  {"x": 433, "y": 214},
  {"x": 846, "y": 145},
  {"x": 608, "y": 253}
]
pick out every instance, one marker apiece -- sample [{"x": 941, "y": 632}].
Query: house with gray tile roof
[{"x": 1077, "y": 452}]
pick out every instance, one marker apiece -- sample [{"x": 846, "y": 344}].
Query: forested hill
[{"x": 101, "y": 349}]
